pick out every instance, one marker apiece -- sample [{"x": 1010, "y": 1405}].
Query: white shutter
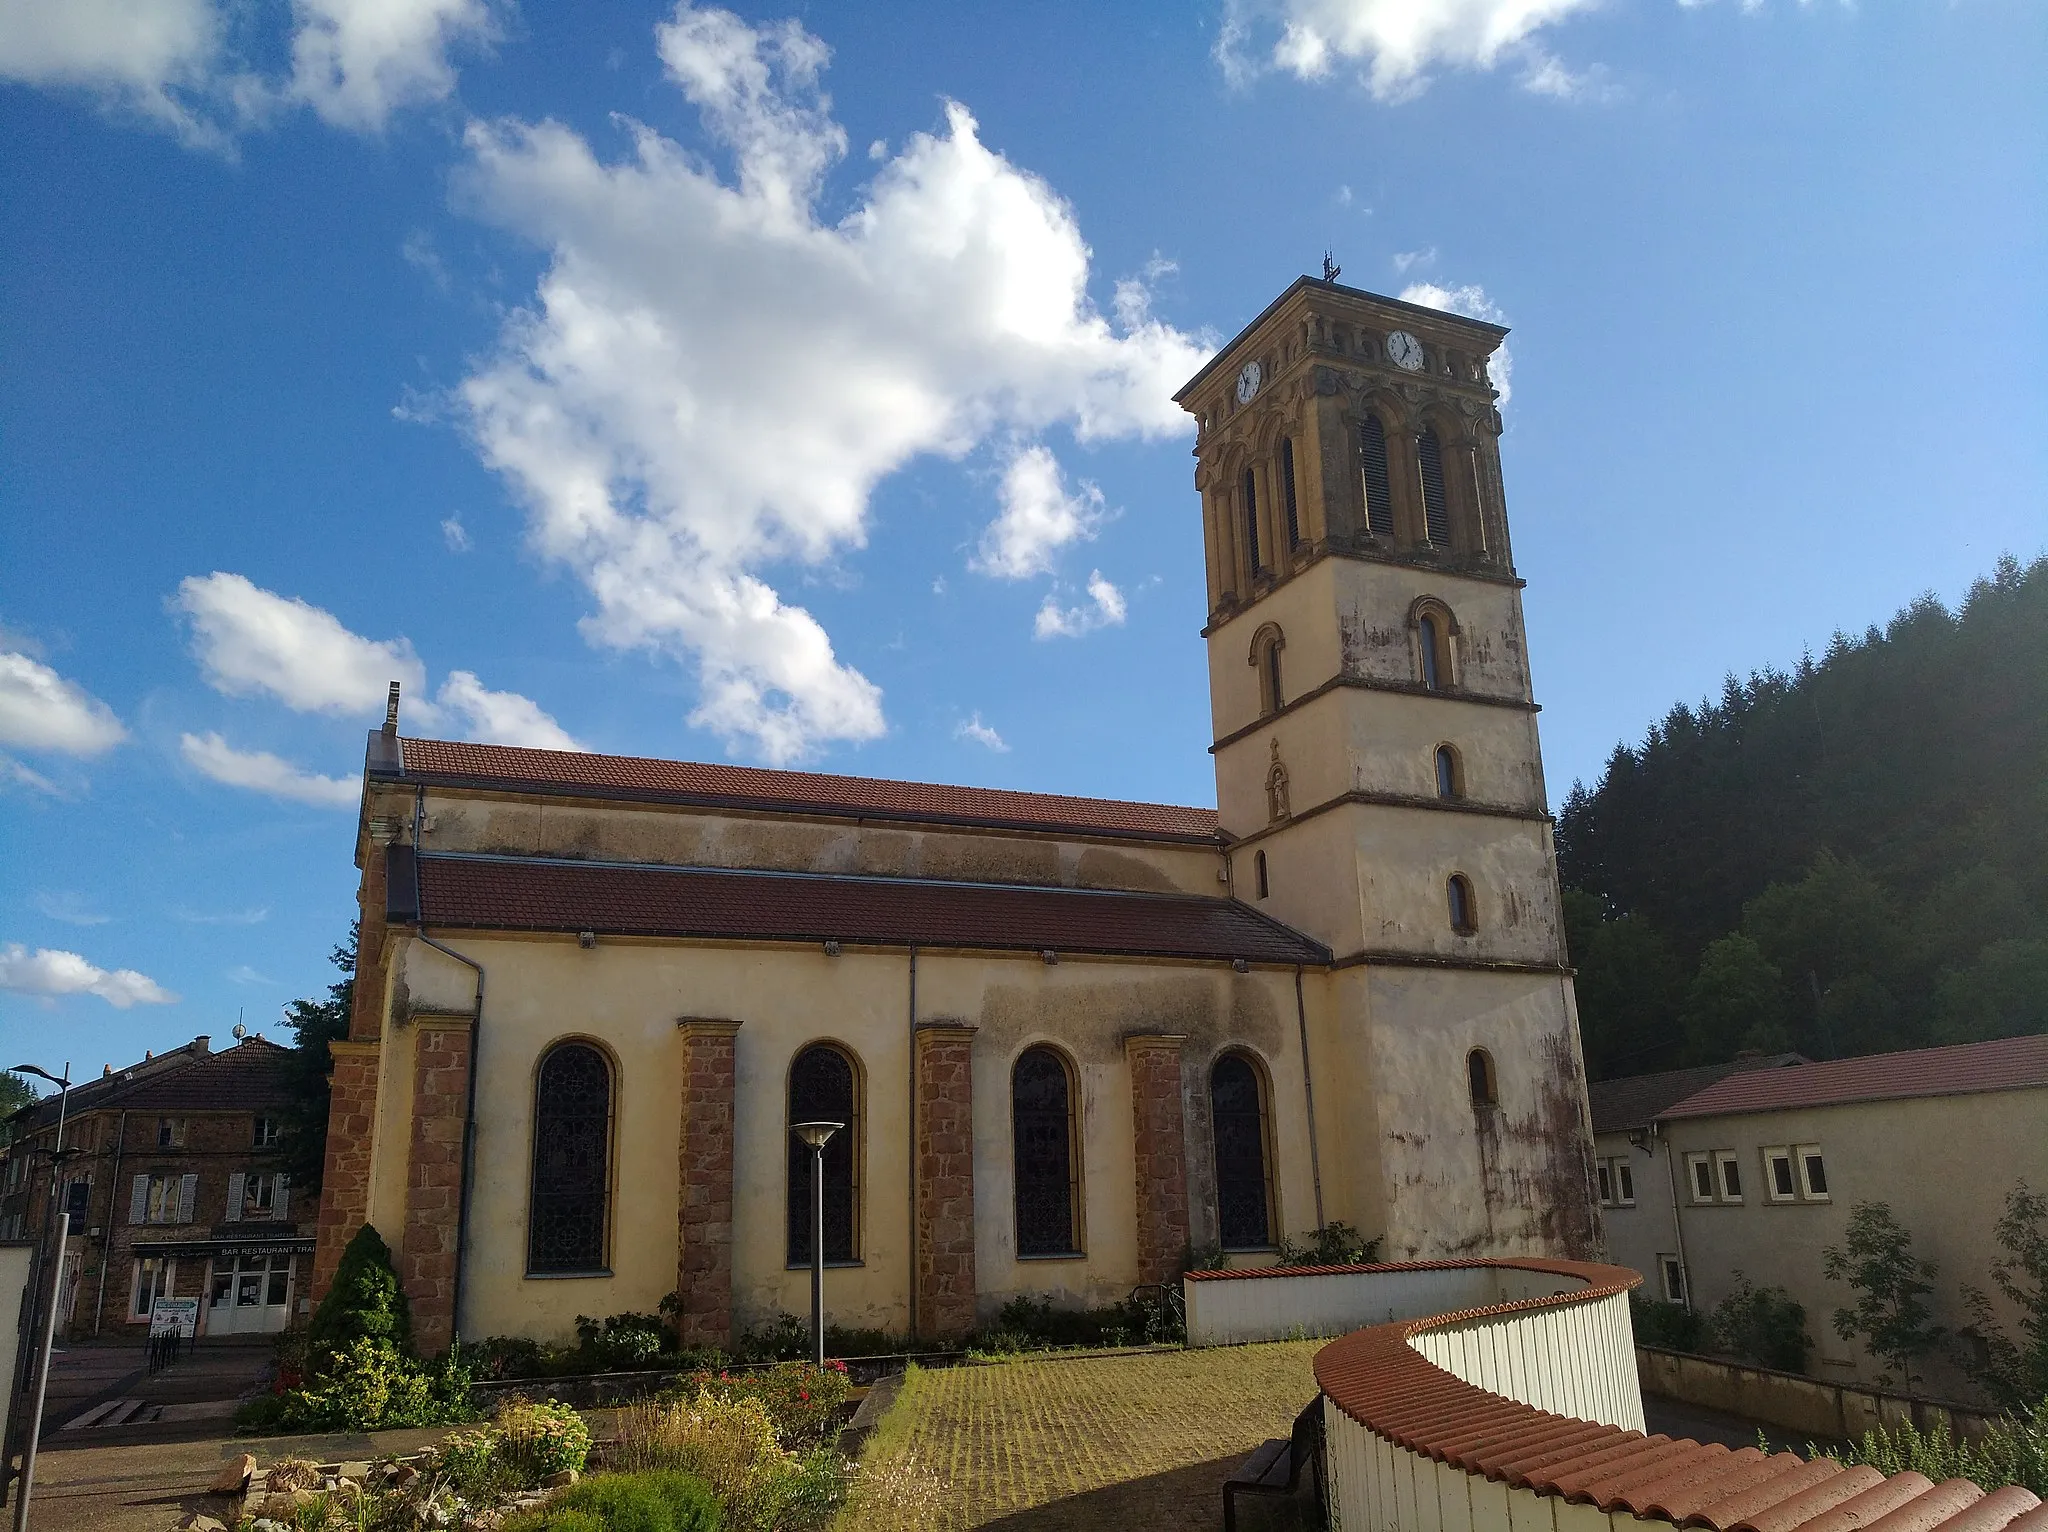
[
  {"x": 236, "y": 1185},
  {"x": 188, "y": 1193},
  {"x": 138, "y": 1202},
  {"x": 282, "y": 1209}
]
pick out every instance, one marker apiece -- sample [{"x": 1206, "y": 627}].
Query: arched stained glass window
[
  {"x": 1372, "y": 462},
  {"x": 1237, "y": 1112},
  {"x": 1436, "y": 505},
  {"x": 822, "y": 1089},
  {"x": 1042, "y": 1117},
  {"x": 572, "y": 1131}
]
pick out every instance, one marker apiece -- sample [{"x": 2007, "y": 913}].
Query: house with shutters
[{"x": 173, "y": 1174}]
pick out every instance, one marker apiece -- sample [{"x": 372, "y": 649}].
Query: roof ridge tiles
[
  {"x": 1873, "y": 1504},
  {"x": 1933, "y": 1508},
  {"x": 1796, "y": 1509},
  {"x": 1657, "y": 1499},
  {"x": 1608, "y": 1490},
  {"x": 1756, "y": 1478},
  {"x": 1997, "y": 1510}
]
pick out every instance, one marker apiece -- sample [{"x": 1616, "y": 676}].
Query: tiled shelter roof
[
  {"x": 2008, "y": 1063},
  {"x": 1635, "y": 1100},
  {"x": 516, "y": 769},
  {"x": 540, "y": 894},
  {"x": 1381, "y": 1381}
]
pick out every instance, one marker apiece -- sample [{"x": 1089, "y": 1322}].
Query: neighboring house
[
  {"x": 1771, "y": 1162},
  {"x": 174, "y": 1184},
  {"x": 1636, "y": 1178}
]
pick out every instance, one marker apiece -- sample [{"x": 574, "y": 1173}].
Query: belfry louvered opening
[
  {"x": 1251, "y": 519},
  {"x": 1287, "y": 492},
  {"x": 1436, "y": 506},
  {"x": 1379, "y": 495}
]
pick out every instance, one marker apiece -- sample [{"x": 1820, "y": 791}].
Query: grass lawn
[{"x": 1137, "y": 1443}]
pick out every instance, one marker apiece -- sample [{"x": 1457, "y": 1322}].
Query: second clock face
[
  {"x": 1404, "y": 350},
  {"x": 1248, "y": 382}
]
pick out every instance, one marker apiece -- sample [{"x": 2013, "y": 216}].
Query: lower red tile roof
[
  {"x": 516, "y": 769},
  {"x": 535, "y": 894},
  {"x": 2007, "y": 1063},
  {"x": 1381, "y": 1381}
]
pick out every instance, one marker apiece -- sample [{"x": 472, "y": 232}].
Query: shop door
[{"x": 250, "y": 1295}]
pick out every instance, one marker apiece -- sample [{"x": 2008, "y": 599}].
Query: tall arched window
[
  {"x": 1237, "y": 1110},
  {"x": 1259, "y": 873},
  {"x": 572, "y": 1136},
  {"x": 1464, "y": 914},
  {"x": 1479, "y": 1075},
  {"x": 1436, "y": 506},
  {"x": 1251, "y": 519},
  {"x": 1372, "y": 460},
  {"x": 1429, "y": 630},
  {"x": 1047, "y": 1158},
  {"x": 823, "y": 1087},
  {"x": 1287, "y": 492},
  {"x": 1265, "y": 658},
  {"x": 1449, "y": 777}
]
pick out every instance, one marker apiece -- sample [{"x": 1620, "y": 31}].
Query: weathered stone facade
[
  {"x": 351, "y": 1129},
  {"x": 433, "y": 1193},
  {"x": 1159, "y": 1142},
  {"x": 704, "y": 1209},
  {"x": 945, "y": 1181}
]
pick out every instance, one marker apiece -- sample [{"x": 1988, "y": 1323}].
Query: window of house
[
  {"x": 170, "y": 1133},
  {"x": 1287, "y": 492},
  {"x": 1780, "y": 1183},
  {"x": 1464, "y": 912},
  {"x": 1449, "y": 778},
  {"x": 163, "y": 1198},
  {"x": 1243, "y": 1192},
  {"x": 1251, "y": 519},
  {"x": 569, "y": 1192},
  {"x": 1436, "y": 506},
  {"x": 1606, "y": 1175},
  {"x": 1813, "y": 1173},
  {"x": 1047, "y": 1158},
  {"x": 1624, "y": 1183},
  {"x": 823, "y": 1087},
  {"x": 78, "y": 1200},
  {"x": 259, "y": 1195},
  {"x": 1730, "y": 1168},
  {"x": 155, "y": 1276},
  {"x": 269, "y": 1132},
  {"x": 1672, "y": 1272},
  {"x": 1372, "y": 461},
  {"x": 1480, "y": 1079},
  {"x": 1259, "y": 869},
  {"x": 1699, "y": 1172}
]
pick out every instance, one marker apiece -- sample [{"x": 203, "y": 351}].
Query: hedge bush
[{"x": 657, "y": 1500}]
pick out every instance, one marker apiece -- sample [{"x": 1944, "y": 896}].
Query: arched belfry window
[
  {"x": 1480, "y": 1078},
  {"x": 824, "y": 1087},
  {"x": 1251, "y": 519},
  {"x": 1450, "y": 774},
  {"x": 1048, "y": 1160},
  {"x": 1436, "y": 505},
  {"x": 1265, "y": 658},
  {"x": 1372, "y": 461},
  {"x": 1287, "y": 492},
  {"x": 572, "y": 1135},
  {"x": 1464, "y": 913},
  {"x": 1237, "y": 1113}
]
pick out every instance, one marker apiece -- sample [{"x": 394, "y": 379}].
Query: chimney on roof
[
  {"x": 203, "y": 1043},
  {"x": 106, "y": 1070},
  {"x": 148, "y": 1054},
  {"x": 391, "y": 712}
]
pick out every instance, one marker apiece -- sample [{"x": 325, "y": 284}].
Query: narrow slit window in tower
[
  {"x": 1259, "y": 869},
  {"x": 1251, "y": 518}
]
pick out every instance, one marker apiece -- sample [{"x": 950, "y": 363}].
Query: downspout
[
  {"x": 1308, "y": 1089},
  {"x": 113, "y": 1206},
  {"x": 910, "y": 1036},
  {"x": 1677, "y": 1223},
  {"x": 476, "y": 1030}
]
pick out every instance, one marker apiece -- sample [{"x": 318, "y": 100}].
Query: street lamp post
[
  {"x": 815, "y": 1135},
  {"x": 46, "y": 1293}
]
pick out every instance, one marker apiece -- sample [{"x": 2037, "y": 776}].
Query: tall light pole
[
  {"x": 54, "y": 1255},
  {"x": 814, "y": 1135}
]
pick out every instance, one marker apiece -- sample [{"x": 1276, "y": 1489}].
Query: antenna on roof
[
  {"x": 240, "y": 1030},
  {"x": 391, "y": 710},
  {"x": 1331, "y": 270}
]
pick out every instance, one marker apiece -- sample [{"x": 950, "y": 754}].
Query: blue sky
[{"x": 796, "y": 388}]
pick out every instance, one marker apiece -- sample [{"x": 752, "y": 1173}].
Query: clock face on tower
[
  {"x": 1248, "y": 382},
  {"x": 1404, "y": 350}
]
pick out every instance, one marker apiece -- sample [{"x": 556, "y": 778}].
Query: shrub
[
  {"x": 1765, "y": 1325},
  {"x": 537, "y": 1439},
  {"x": 622, "y": 1340},
  {"x": 2014, "y": 1371},
  {"x": 729, "y": 1443},
  {"x": 1891, "y": 1316},
  {"x": 2013, "y": 1451},
  {"x": 804, "y": 1401},
  {"x": 1672, "y": 1326},
  {"x": 1334, "y": 1244},
  {"x": 365, "y": 1303},
  {"x": 369, "y": 1386},
  {"x": 1034, "y": 1324},
  {"x": 787, "y": 1338},
  {"x": 659, "y": 1500},
  {"x": 469, "y": 1460}
]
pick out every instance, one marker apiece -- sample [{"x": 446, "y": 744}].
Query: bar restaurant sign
[{"x": 174, "y": 1316}]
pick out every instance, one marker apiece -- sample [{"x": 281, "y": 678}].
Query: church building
[{"x": 1073, "y": 1041}]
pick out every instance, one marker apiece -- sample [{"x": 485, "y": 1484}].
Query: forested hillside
[{"x": 1849, "y": 858}]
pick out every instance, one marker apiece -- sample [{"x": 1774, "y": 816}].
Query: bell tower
[{"x": 1378, "y": 771}]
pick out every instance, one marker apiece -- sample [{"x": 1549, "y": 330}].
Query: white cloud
[
  {"x": 1104, "y": 608},
  {"x": 711, "y": 380},
  {"x": 1039, "y": 517},
  {"x": 242, "y": 973},
  {"x": 356, "y": 62},
  {"x": 974, "y": 729},
  {"x": 501, "y": 718},
  {"x": 456, "y": 535},
  {"x": 48, "y": 973},
  {"x": 40, "y": 710},
  {"x": 70, "y": 907},
  {"x": 1472, "y": 302},
  {"x": 15, "y": 773},
  {"x": 260, "y": 771},
  {"x": 255, "y": 915},
  {"x": 1408, "y": 258},
  {"x": 1398, "y": 43},
  {"x": 148, "y": 56}
]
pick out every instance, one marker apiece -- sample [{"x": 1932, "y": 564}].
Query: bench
[{"x": 1275, "y": 1467}]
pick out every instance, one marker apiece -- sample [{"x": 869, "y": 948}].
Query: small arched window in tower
[
  {"x": 1450, "y": 776},
  {"x": 1259, "y": 873},
  {"x": 1287, "y": 492},
  {"x": 1251, "y": 519},
  {"x": 1265, "y": 659},
  {"x": 572, "y": 1135},
  {"x": 1237, "y": 1113},
  {"x": 1436, "y": 505},
  {"x": 1372, "y": 460},
  {"x": 1464, "y": 913},
  {"x": 1429, "y": 631},
  {"x": 822, "y": 1088},
  {"x": 1479, "y": 1075},
  {"x": 1047, "y": 1158}
]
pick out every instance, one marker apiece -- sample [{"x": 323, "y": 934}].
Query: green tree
[
  {"x": 2015, "y": 1371},
  {"x": 1631, "y": 989},
  {"x": 1836, "y": 935},
  {"x": 15, "y": 1093},
  {"x": 1736, "y": 1001},
  {"x": 1891, "y": 1316},
  {"x": 315, "y": 1024},
  {"x": 365, "y": 1303},
  {"x": 2004, "y": 993}
]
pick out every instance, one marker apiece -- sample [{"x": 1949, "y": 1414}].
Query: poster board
[{"x": 174, "y": 1316}]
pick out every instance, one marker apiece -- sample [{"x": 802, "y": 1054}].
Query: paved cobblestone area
[{"x": 1134, "y": 1443}]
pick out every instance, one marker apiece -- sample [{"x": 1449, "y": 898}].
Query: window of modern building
[
  {"x": 269, "y": 1132},
  {"x": 1673, "y": 1274},
  {"x": 155, "y": 1276},
  {"x": 1730, "y": 1168},
  {"x": 1606, "y": 1176},
  {"x": 1243, "y": 1193},
  {"x": 1464, "y": 911},
  {"x": 1699, "y": 1175},
  {"x": 1259, "y": 873},
  {"x": 1780, "y": 1182},
  {"x": 1450, "y": 774},
  {"x": 1480, "y": 1078},
  {"x": 1047, "y": 1158},
  {"x": 1287, "y": 492},
  {"x": 1624, "y": 1183},
  {"x": 1813, "y": 1173},
  {"x": 1251, "y": 519},
  {"x": 1436, "y": 506},
  {"x": 1372, "y": 462},
  {"x": 569, "y": 1200},
  {"x": 823, "y": 1087}
]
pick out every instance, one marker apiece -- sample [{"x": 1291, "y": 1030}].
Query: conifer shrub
[{"x": 366, "y": 1302}]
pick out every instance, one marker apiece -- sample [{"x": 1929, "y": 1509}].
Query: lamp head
[
  {"x": 814, "y": 1134},
  {"x": 30, "y": 1069}
]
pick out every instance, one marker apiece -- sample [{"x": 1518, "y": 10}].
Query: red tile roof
[
  {"x": 249, "y": 1077},
  {"x": 2009, "y": 1063},
  {"x": 639, "y": 778},
  {"x": 536, "y": 894},
  {"x": 1634, "y": 1101},
  {"x": 1381, "y": 1381}
]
